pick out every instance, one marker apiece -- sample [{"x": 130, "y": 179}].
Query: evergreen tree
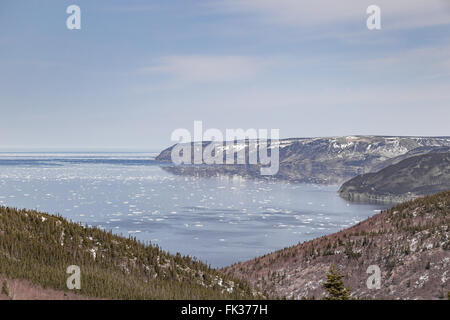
[
  {"x": 335, "y": 286},
  {"x": 5, "y": 289},
  {"x": 40, "y": 250}
]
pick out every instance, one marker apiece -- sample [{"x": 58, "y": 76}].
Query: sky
[{"x": 138, "y": 70}]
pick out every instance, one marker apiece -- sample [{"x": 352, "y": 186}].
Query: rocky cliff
[{"x": 332, "y": 160}]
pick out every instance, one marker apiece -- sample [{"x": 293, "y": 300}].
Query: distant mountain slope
[
  {"x": 331, "y": 160},
  {"x": 414, "y": 152},
  {"x": 39, "y": 247},
  {"x": 410, "y": 243},
  {"x": 408, "y": 179}
]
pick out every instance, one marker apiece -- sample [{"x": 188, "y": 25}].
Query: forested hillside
[
  {"x": 410, "y": 243},
  {"x": 39, "y": 247}
]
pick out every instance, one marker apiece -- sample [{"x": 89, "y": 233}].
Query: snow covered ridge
[
  {"x": 327, "y": 160},
  {"x": 236, "y": 146}
]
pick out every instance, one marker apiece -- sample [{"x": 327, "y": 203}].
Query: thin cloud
[
  {"x": 132, "y": 8},
  {"x": 395, "y": 14},
  {"x": 209, "y": 68},
  {"x": 431, "y": 62}
]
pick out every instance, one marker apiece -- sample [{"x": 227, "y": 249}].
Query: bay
[{"x": 219, "y": 220}]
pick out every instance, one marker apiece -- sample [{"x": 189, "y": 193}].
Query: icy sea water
[{"x": 219, "y": 220}]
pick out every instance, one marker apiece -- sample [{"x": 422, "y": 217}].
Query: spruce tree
[
  {"x": 335, "y": 286},
  {"x": 5, "y": 289}
]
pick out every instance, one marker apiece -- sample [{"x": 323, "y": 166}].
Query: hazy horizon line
[{"x": 22, "y": 149}]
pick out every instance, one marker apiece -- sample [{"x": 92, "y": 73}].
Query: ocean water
[{"x": 220, "y": 220}]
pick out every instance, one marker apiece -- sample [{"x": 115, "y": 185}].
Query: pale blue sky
[{"x": 137, "y": 70}]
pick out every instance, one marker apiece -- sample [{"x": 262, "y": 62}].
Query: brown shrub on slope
[{"x": 410, "y": 243}]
